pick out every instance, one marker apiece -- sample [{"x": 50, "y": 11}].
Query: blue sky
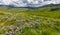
[{"x": 24, "y": 3}]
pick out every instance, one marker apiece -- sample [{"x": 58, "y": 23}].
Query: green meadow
[{"x": 44, "y": 20}]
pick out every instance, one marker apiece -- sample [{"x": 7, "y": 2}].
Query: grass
[{"x": 23, "y": 21}]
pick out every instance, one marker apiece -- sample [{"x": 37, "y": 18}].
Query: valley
[{"x": 27, "y": 21}]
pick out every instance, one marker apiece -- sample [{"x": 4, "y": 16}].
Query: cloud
[
  {"x": 26, "y": 3},
  {"x": 6, "y": 2}
]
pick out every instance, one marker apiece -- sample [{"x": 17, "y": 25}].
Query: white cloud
[
  {"x": 6, "y": 2},
  {"x": 25, "y": 3}
]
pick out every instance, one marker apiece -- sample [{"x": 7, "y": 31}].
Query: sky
[{"x": 25, "y": 3}]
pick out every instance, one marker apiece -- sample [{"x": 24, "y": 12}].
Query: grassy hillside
[{"x": 30, "y": 21}]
